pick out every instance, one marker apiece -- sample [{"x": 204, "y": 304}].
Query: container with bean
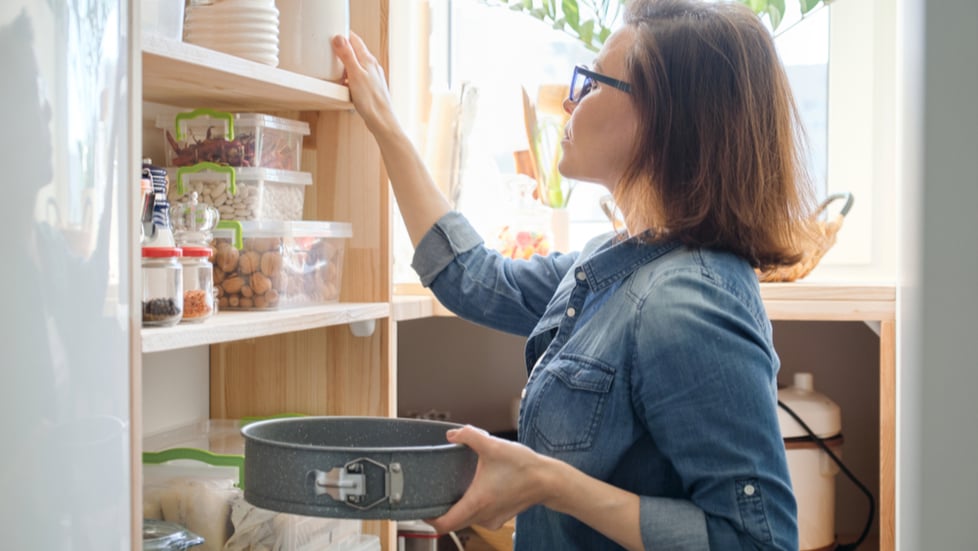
[{"x": 241, "y": 193}]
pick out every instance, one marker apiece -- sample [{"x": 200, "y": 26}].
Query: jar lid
[
  {"x": 162, "y": 252},
  {"x": 197, "y": 251}
]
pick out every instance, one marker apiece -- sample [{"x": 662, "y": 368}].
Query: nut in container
[{"x": 278, "y": 264}]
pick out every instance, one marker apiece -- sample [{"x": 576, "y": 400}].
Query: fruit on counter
[{"x": 522, "y": 243}]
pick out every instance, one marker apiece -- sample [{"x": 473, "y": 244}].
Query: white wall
[{"x": 937, "y": 357}]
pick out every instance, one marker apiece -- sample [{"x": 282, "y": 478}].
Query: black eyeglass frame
[{"x": 588, "y": 74}]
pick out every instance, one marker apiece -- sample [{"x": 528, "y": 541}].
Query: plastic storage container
[
  {"x": 241, "y": 193},
  {"x": 234, "y": 139},
  {"x": 199, "y": 492},
  {"x": 162, "y": 286},
  {"x": 198, "y": 284},
  {"x": 280, "y": 264}
]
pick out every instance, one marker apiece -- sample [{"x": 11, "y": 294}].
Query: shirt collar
[{"x": 616, "y": 259}]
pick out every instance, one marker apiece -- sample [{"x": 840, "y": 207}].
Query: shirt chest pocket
[{"x": 569, "y": 403}]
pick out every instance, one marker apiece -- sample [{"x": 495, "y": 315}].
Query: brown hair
[{"x": 720, "y": 162}]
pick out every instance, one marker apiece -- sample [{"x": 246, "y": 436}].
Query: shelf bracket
[
  {"x": 874, "y": 326},
  {"x": 363, "y": 328}
]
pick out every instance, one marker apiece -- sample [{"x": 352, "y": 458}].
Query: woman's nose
[{"x": 569, "y": 106}]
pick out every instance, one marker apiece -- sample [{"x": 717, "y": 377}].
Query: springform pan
[{"x": 355, "y": 467}]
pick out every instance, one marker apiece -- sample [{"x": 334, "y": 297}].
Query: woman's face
[{"x": 602, "y": 129}]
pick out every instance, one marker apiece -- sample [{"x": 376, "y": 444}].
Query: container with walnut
[{"x": 279, "y": 265}]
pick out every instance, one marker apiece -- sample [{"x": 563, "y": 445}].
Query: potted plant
[{"x": 590, "y": 21}]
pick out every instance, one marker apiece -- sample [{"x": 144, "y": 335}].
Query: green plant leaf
[
  {"x": 572, "y": 13},
  {"x": 808, "y": 5},
  {"x": 757, "y": 6},
  {"x": 775, "y": 12}
]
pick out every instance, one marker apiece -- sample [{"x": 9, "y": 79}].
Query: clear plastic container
[
  {"x": 280, "y": 264},
  {"x": 241, "y": 193},
  {"x": 233, "y": 139},
  {"x": 162, "y": 286},
  {"x": 198, "y": 284}
]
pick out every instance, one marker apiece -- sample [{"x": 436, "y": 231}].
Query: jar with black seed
[{"x": 162, "y": 286}]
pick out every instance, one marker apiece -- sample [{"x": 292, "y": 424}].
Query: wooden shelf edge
[
  {"x": 802, "y": 301},
  {"x": 187, "y": 75},
  {"x": 234, "y": 326}
]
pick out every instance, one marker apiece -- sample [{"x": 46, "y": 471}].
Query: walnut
[
  {"x": 226, "y": 257},
  {"x": 233, "y": 285},
  {"x": 272, "y": 297},
  {"x": 249, "y": 262},
  {"x": 260, "y": 283},
  {"x": 247, "y": 292},
  {"x": 246, "y": 303},
  {"x": 271, "y": 263},
  {"x": 260, "y": 301}
]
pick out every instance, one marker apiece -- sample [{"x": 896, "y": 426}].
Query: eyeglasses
[{"x": 583, "y": 81}]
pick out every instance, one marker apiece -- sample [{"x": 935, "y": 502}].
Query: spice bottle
[
  {"x": 198, "y": 284},
  {"x": 162, "y": 286}
]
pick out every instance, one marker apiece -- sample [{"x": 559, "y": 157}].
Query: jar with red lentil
[
  {"x": 162, "y": 286},
  {"x": 198, "y": 284}
]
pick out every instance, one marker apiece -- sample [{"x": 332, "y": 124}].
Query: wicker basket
[{"x": 825, "y": 232}]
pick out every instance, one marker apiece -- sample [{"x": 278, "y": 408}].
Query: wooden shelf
[
  {"x": 810, "y": 301},
  {"x": 187, "y": 75},
  {"x": 234, "y": 326}
]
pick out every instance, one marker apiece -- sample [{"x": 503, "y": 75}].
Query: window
[{"x": 843, "y": 104}]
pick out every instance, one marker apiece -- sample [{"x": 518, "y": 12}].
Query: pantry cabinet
[{"x": 335, "y": 359}]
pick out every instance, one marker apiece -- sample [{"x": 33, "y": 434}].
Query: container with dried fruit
[
  {"x": 198, "y": 284},
  {"x": 162, "y": 286},
  {"x": 234, "y": 139},
  {"x": 280, "y": 264}
]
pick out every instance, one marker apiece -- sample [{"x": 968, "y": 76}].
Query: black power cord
[{"x": 848, "y": 473}]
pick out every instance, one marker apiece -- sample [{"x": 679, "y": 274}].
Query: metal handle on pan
[{"x": 348, "y": 484}]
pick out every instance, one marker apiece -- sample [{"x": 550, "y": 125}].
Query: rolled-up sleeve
[{"x": 451, "y": 236}]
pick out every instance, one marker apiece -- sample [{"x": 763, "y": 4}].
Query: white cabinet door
[{"x": 65, "y": 323}]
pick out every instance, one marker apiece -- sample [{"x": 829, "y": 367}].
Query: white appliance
[
  {"x": 812, "y": 471},
  {"x": 65, "y": 235}
]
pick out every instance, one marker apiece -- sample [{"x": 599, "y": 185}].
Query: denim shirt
[{"x": 651, "y": 367}]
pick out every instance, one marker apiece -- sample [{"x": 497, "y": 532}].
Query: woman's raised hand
[{"x": 364, "y": 76}]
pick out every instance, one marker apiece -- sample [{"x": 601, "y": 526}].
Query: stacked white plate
[{"x": 243, "y": 28}]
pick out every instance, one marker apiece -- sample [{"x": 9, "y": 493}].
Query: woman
[{"x": 649, "y": 419}]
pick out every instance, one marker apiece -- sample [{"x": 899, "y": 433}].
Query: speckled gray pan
[{"x": 355, "y": 467}]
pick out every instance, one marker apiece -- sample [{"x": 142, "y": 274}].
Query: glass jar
[
  {"x": 198, "y": 284},
  {"x": 162, "y": 286}
]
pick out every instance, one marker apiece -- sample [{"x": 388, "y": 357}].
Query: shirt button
[
  {"x": 523, "y": 394},
  {"x": 581, "y": 276},
  {"x": 571, "y": 312},
  {"x": 749, "y": 490}
]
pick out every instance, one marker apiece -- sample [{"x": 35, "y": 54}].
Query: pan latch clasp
[{"x": 348, "y": 484}]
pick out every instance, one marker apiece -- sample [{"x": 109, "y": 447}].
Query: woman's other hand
[
  {"x": 509, "y": 478},
  {"x": 364, "y": 76}
]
